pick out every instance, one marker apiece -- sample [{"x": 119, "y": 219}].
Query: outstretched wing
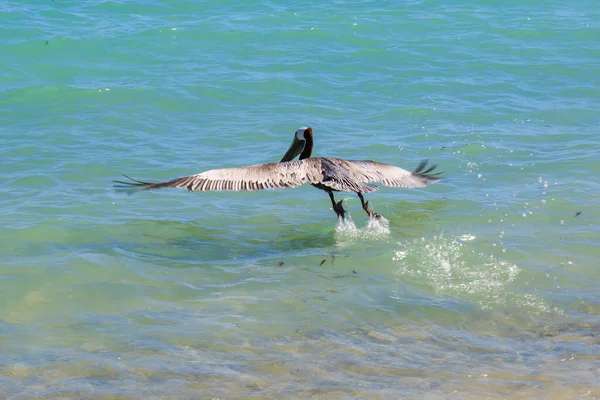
[
  {"x": 255, "y": 177},
  {"x": 390, "y": 175}
]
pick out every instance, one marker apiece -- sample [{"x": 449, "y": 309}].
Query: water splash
[
  {"x": 375, "y": 229},
  {"x": 451, "y": 266}
]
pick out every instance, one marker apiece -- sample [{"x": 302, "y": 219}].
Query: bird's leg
[
  {"x": 337, "y": 207},
  {"x": 368, "y": 210}
]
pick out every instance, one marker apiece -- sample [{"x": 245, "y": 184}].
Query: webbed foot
[
  {"x": 370, "y": 212},
  {"x": 339, "y": 209}
]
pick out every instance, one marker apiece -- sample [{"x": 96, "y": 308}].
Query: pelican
[{"x": 325, "y": 173}]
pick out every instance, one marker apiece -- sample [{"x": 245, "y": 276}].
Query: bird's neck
[{"x": 308, "y": 146}]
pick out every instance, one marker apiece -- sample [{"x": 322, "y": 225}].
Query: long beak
[{"x": 295, "y": 149}]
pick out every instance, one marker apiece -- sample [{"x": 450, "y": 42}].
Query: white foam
[
  {"x": 467, "y": 237},
  {"x": 375, "y": 229},
  {"x": 346, "y": 227},
  {"x": 451, "y": 266}
]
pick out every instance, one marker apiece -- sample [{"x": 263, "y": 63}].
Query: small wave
[{"x": 375, "y": 229}]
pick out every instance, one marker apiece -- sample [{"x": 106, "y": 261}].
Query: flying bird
[{"x": 325, "y": 173}]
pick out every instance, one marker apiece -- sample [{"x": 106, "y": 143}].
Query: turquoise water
[{"x": 485, "y": 285}]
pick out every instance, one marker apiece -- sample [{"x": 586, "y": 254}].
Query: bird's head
[{"x": 302, "y": 141}]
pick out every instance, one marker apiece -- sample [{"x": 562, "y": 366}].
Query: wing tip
[
  {"x": 132, "y": 185},
  {"x": 426, "y": 173}
]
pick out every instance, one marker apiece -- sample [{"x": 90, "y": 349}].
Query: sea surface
[{"x": 485, "y": 285}]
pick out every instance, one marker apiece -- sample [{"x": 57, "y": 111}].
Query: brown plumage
[{"x": 326, "y": 173}]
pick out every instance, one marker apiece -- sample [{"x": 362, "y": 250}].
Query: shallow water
[{"x": 484, "y": 285}]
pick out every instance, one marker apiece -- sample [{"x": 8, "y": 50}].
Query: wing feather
[
  {"x": 335, "y": 173},
  {"x": 392, "y": 176},
  {"x": 255, "y": 177}
]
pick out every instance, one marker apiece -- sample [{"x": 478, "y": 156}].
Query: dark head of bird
[{"x": 301, "y": 144}]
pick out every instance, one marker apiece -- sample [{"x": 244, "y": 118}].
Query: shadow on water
[
  {"x": 193, "y": 244},
  {"x": 232, "y": 239}
]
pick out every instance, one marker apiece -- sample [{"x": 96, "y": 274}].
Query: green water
[{"x": 484, "y": 285}]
